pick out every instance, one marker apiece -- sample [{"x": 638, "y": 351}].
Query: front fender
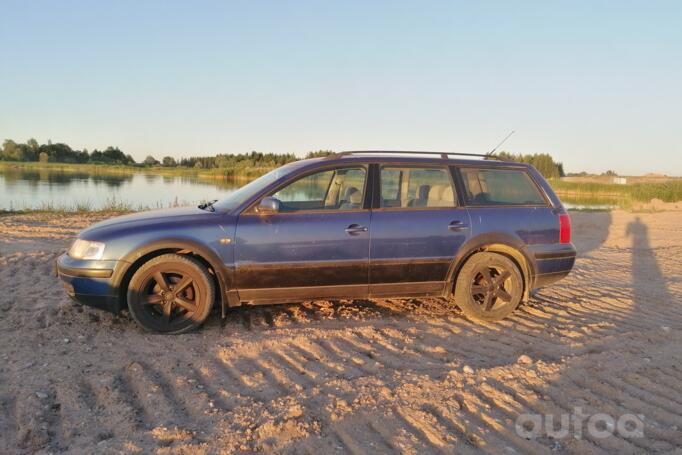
[{"x": 141, "y": 253}]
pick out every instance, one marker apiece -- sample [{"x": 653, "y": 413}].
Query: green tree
[
  {"x": 115, "y": 156},
  {"x": 319, "y": 153},
  {"x": 32, "y": 150},
  {"x": 96, "y": 157},
  {"x": 83, "y": 156},
  {"x": 222, "y": 161},
  {"x": 33, "y": 144},
  {"x": 169, "y": 161},
  {"x": 60, "y": 152},
  {"x": 43, "y": 157},
  {"x": 10, "y": 150},
  {"x": 150, "y": 161},
  {"x": 543, "y": 162}
]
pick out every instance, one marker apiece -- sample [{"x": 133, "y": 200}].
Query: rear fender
[{"x": 496, "y": 242}]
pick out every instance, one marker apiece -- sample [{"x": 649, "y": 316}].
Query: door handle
[
  {"x": 355, "y": 229},
  {"x": 457, "y": 226}
]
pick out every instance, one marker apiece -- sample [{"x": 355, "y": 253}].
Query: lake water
[
  {"x": 22, "y": 188},
  {"x": 43, "y": 188}
]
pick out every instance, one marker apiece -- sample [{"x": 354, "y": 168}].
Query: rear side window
[
  {"x": 414, "y": 187},
  {"x": 500, "y": 187}
]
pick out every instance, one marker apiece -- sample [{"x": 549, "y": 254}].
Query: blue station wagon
[{"x": 351, "y": 225}]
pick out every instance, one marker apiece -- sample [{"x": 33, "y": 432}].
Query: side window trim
[
  {"x": 250, "y": 210},
  {"x": 372, "y": 195},
  {"x": 459, "y": 184},
  {"x": 329, "y": 185},
  {"x": 400, "y": 180},
  {"x": 464, "y": 200},
  {"x": 444, "y": 167}
]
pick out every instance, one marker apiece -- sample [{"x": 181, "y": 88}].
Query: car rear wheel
[
  {"x": 171, "y": 294},
  {"x": 489, "y": 287}
]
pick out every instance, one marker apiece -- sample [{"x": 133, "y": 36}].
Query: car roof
[{"x": 404, "y": 158}]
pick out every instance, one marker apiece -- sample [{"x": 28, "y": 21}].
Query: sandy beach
[{"x": 361, "y": 377}]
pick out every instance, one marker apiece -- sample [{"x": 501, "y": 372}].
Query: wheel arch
[
  {"x": 503, "y": 244},
  {"x": 141, "y": 255}
]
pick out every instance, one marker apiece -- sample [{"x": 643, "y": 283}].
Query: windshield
[{"x": 254, "y": 187}]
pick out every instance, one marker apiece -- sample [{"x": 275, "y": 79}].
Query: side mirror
[{"x": 268, "y": 205}]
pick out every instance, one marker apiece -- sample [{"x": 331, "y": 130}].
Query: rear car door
[
  {"x": 316, "y": 246},
  {"x": 509, "y": 203},
  {"x": 416, "y": 230}
]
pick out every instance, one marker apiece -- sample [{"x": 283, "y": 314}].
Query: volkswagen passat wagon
[{"x": 351, "y": 225}]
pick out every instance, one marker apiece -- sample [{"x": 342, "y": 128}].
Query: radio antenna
[{"x": 492, "y": 152}]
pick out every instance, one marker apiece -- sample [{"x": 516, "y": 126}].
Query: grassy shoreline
[
  {"x": 587, "y": 193},
  {"x": 668, "y": 191},
  {"x": 624, "y": 195},
  {"x": 237, "y": 174}
]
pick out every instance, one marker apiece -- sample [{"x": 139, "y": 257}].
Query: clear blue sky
[{"x": 596, "y": 84}]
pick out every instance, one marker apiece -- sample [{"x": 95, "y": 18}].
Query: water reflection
[
  {"x": 22, "y": 188},
  {"x": 598, "y": 202},
  {"x": 56, "y": 178},
  {"x": 59, "y": 189}
]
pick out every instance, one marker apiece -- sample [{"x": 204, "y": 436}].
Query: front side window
[
  {"x": 335, "y": 189},
  {"x": 412, "y": 187},
  {"x": 254, "y": 187},
  {"x": 500, "y": 187}
]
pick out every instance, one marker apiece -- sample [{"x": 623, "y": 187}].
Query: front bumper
[{"x": 89, "y": 282}]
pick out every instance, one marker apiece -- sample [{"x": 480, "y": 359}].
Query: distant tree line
[
  {"x": 233, "y": 161},
  {"x": 60, "y": 153},
  {"x": 543, "y": 162},
  {"x": 239, "y": 160},
  {"x": 609, "y": 173}
]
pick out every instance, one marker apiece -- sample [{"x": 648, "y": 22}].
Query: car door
[
  {"x": 315, "y": 246},
  {"x": 416, "y": 231}
]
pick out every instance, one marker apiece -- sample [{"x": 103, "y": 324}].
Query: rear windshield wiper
[{"x": 208, "y": 205}]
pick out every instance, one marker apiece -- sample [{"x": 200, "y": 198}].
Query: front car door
[
  {"x": 316, "y": 246},
  {"x": 416, "y": 230}
]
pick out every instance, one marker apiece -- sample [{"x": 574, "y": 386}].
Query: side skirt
[
  {"x": 267, "y": 296},
  {"x": 410, "y": 289}
]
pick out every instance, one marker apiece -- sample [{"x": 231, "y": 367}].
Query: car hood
[{"x": 137, "y": 220}]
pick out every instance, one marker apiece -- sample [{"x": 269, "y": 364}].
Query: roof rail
[{"x": 444, "y": 155}]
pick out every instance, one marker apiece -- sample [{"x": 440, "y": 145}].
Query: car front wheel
[
  {"x": 171, "y": 293},
  {"x": 489, "y": 287}
]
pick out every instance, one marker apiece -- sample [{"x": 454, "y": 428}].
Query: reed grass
[
  {"x": 84, "y": 206},
  {"x": 578, "y": 193},
  {"x": 669, "y": 191},
  {"x": 236, "y": 174}
]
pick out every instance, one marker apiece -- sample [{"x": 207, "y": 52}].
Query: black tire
[
  {"x": 489, "y": 287},
  {"x": 156, "y": 302}
]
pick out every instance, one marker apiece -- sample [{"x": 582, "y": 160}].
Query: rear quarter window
[{"x": 500, "y": 187}]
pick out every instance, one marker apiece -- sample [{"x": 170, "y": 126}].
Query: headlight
[{"x": 85, "y": 249}]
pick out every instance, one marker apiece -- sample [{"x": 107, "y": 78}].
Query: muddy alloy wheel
[
  {"x": 171, "y": 294},
  {"x": 489, "y": 287}
]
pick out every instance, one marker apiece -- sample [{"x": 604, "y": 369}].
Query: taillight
[{"x": 564, "y": 228}]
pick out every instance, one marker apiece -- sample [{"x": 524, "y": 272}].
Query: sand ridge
[{"x": 363, "y": 377}]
